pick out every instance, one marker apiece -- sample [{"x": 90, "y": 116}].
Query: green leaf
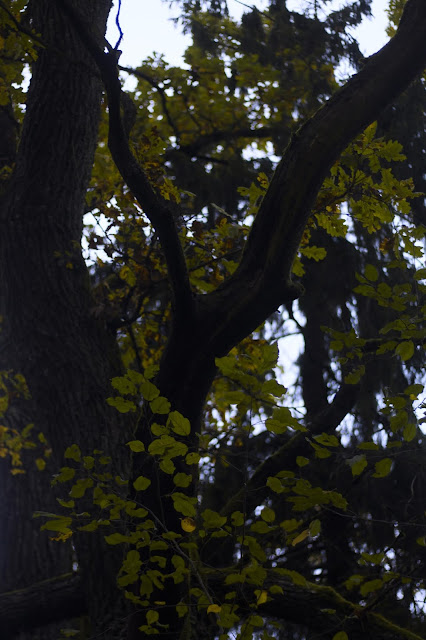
[
  {"x": 315, "y": 528},
  {"x": 192, "y": 458},
  {"x": 355, "y": 375},
  {"x": 301, "y": 461},
  {"x": 267, "y": 514},
  {"x": 328, "y": 440},
  {"x": 368, "y": 446},
  {"x": 80, "y": 487},
  {"x": 73, "y": 453},
  {"x": 341, "y": 635},
  {"x": 383, "y": 468},
  {"x": 148, "y": 390},
  {"x": 182, "y": 479},
  {"x": 274, "y": 484},
  {"x": 410, "y": 432},
  {"x": 136, "y": 445},
  {"x": 65, "y": 474},
  {"x": 121, "y": 404},
  {"x": 160, "y": 405},
  {"x": 237, "y": 519},
  {"x": 60, "y": 524},
  {"x": 405, "y": 350},
  {"x": 357, "y": 464},
  {"x": 167, "y": 466},
  {"x": 179, "y": 424},
  {"x": 123, "y": 385},
  {"x": 141, "y": 483},
  {"x": 184, "y": 504},
  {"x": 212, "y": 519},
  {"x": 152, "y": 616},
  {"x": 115, "y": 538},
  {"x": 371, "y": 273},
  {"x": 371, "y": 586}
]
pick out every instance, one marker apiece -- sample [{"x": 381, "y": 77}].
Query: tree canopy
[{"x": 212, "y": 305}]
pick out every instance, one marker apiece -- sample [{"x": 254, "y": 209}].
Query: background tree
[{"x": 202, "y": 483}]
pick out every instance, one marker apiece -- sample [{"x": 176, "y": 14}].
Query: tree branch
[
  {"x": 159, "y": 211},
  {"x": 40, "y": 604},
  {"x": 255, "y": 491},
  {"x": 320, "y": 608},
  {"x": 262, "y": 280}
]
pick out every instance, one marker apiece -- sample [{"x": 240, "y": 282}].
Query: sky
[{"x": 147, "y": 27}]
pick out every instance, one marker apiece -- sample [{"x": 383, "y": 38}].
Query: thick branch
[
  {"x": 263, "y": 279},
  {"x": 255, "y": 491},
  {"x": 49, "y": 601},
  {"x": 320, "y": 608}
]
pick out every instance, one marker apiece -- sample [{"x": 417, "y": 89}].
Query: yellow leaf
[
  {"x": 40, "y": 464},
  {"x": 263, "y": 596},
  {"x": 214, "y": 608},
  {"x": 188, "y": 525}
]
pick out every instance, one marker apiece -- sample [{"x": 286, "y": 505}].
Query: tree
[{"x": 133, "y": 390}]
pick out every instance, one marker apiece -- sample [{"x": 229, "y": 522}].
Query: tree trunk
[{"x": 46, "y": 307}]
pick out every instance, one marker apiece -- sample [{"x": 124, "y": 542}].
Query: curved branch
[
  {"x": 255, "y": 491},
  {"x": 322, "y": 609},
  {"x": 159, "y": 211},
  {"x": 263, "y": 279}
]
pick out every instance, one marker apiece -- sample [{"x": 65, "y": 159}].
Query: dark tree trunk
[{"x": 46, "y": 308}]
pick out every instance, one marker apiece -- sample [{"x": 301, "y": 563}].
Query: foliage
[{"x": 286, "y": 486}]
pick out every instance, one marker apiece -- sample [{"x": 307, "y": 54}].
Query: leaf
[
  {"x": 212, "y": 519},
  {"x": 371, "y": 273},
  {"x": 371, "y": 586},
  {"x": 405, "y": 350},
  {"x": 301, "y": 461},
  {"x": 302, "y": 536},
  {"x": 262, "y": 597},
  {"x": 40, "y": 464},
  {"x": 326, "y": 439},
  {"x": 355, "y": 375},
  {"x": 141, "y": 483},
  {"x": 192, "y": 458},
  {"x": 315, "y": 528},
  {"x": 136, "y": 445},
  {"x": 148, "y": 390},
  {"x": 214, "y": 608},
  {"x": 341, "y": 635},
  {"x": 184, "y": 504},
  {"x": 182, "y": 479},
  {"x": 383, "y": 468},
  {"x": 409, "y": 432},
  {"x": 160, "y": 405},
  {"x": 80, "y": 487},
  {"x": 121, "y": 404},
  {"x": 188, "y": 524},
  {"x": 179, "y": 424},
  {"x": 267, "y": 514},
  {"x": 152, "y": 616},
  {"x": 357, "y": 464},
  {"x": 274, "y": 484},
  {"x": 73, "y": 453},
  {"x": 60, "y": 524}
]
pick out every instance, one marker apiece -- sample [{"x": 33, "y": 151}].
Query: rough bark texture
[{"x": 49, "y": 333}]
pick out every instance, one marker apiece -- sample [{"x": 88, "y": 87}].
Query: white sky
[{"x": 147, "y": 28}]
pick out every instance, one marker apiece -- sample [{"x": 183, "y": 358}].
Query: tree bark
[{"x": 49, "y": 333}]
